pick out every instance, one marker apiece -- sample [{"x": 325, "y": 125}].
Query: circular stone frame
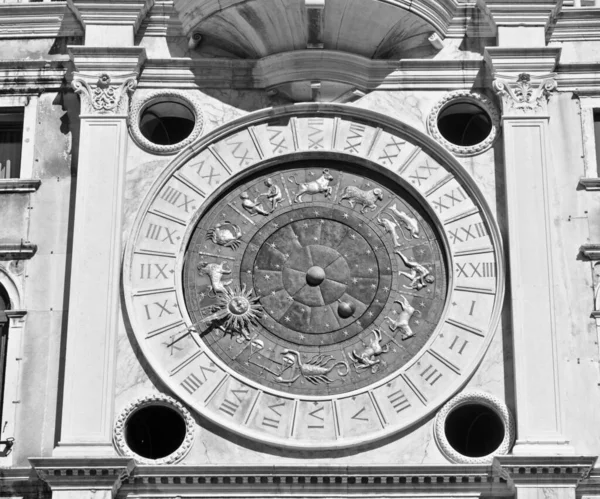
[
  {"x": 457, "y": 97},
  {"x": 149, "y": 400},
  {"x": 138, "y": 106},
  {"x": 467, "y": 398}
]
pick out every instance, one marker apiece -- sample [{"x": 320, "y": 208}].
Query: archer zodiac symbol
[
  {"x": 315, "y": 370},
  {"x": 225, "y": 234},
  {"x": 215, "y": 272},
  {"x": 404, "y": 318},
  {"x": 366, "y": 357},
  {"x": 313, "y": 187},
  {"x": 367, "y": 199},
  {"x": 419, "y": 276}
]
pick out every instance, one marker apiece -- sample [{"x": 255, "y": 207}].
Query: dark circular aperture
[
  {"x": 464, "y": 124},
  {"x": 474, "y": 430},
  {"x": 166, "y": 123},
  {"x": 155, "y": 431}
]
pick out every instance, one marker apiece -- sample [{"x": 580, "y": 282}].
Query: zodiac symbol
[
  {"x": 419, "y": 276},
  {"x": 391, "y": 227},
  {"x": 314, "y": 370},
  {"x": 238, "y": 309},
  {"x": 404, "y": 318},
  {"x": 366, "y": 357},
  {"x": 273, "y": 194},
  {"x": 215, "y": 272},
  {"x": 253, "y": 207},
  {"x": 313, "y": 187},
  {"x": 367, "y": 199},
  {"x": 225, "y": 234},
  {"x": 410, "y": 223}
]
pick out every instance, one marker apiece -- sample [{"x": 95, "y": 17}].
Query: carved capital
[
  {"x": 103, "y": 93},
  {"x": 525, "y": 95}
]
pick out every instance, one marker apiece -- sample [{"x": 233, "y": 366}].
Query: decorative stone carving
[
  {"x": 154, "y": 399},
  {"x": 104, "y": 94},
  {"x": 140, "y": 104},
  {"x": 467, "y": 398},
  {"x": 457, "y": 97},
  {"x": 526, "y": 93}
]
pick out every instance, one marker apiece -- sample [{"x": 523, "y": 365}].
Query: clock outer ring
[{"x": 370, "y": 118}]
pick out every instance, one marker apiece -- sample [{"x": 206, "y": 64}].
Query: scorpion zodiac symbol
[{"x": 315, "y": 370}]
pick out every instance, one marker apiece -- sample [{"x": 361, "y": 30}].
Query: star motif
[
  {"x": 290, "y": 298},
  {"x": 421, "y": 251},
  {"x": 267, "y": 277},
  {"x": 305, "y": 225},
  {"x": 327, "y": 325},
  {"x": 315, "y": 238},
  {"x": 353, "y": 236},
  {"x": 422, "y": 304},
  {"x": 359, "y": 324},
  {"x": 316, "y": 213},
  {"x": 454, "y": 304},
  {"x": 270, "y": 311},
  {"x": 386, "y": 288},
  {"x": 277, "y": 266},
  {"x": 375, "y": 248},
  {"x": 370, "y": 270},
  {"x": 248, "y": 271},
  {"x": 368, "y": 184},
  {"x": 368, "y": 252},
  {"x": 345, "y": 215},
  {"x": 354, "y": 280},
  {"x": 417, "y": 321},
  {"x": 301, "y": 336},
  {"x": 370, "y": 314},
  {"x": 373, "y": 286},
  {"x": 245, "y": 222},
  {"x": 388, "y": 269},
  {"x": 286, "y": 255},
  {"x": 287, "y": 319},
  {"x": 360, "y": 224},
  {"x": 394, "y": 350},
  {"x": 272, "y": 294},
  {"x": 395, "y": 312},
  {"x": 275, "y": 224},
  {"x": 311, "y": 173},
  {"x": 273, "y": 245},
  {"x": 345, "y": 333}
]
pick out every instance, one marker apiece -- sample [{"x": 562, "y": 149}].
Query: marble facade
[{"x": 78, "y": 363}]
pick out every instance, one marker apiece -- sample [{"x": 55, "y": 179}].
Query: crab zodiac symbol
[{"x": 225, "y": 234}]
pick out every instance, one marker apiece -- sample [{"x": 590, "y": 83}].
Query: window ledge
[
  {"x": 590, "y": 183},
  {"x": 12, "y": 185},
  {"x": 18, "y": 251},
  {"x": 591, "y": 251}
]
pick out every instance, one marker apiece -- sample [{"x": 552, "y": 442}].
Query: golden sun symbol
[{"x": 238, "y": 309}]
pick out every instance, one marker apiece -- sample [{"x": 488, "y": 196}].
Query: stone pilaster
[
  {"x": 87, "y": 410},
  {"x": 529, "y": 172}
]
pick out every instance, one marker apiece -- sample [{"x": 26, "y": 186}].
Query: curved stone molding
[
  {"x": 138, "y": 106},
  {"x": 104, "y": 94},
  {"x": 154, "y": 399},
  {"x": 474, "y": 397},
  {"x": 464, "y": 96}
]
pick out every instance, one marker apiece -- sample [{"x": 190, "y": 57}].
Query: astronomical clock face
[{"x": 313, "y": 281}]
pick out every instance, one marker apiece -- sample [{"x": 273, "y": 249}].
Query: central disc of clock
[{"x": 310, "y": 267}]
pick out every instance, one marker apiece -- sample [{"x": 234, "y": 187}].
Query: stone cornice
[
  {"x": 83, "y": 473},
  {"x": 591, "y": 251},
  {"x": 17, "y": 251},
  {"x": 526, "y": 13},
  {"x": 543, "y": 471},
  {"x": 38, "y": 20},
  {"x": 111, "y": 60},
  {"x": 522, "y": 59},
  {"x": 112, "y": 12},
  {"x": 576, "y": 24}
]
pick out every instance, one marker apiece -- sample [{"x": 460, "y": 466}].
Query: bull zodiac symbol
[{"x": 314, "y": 186}]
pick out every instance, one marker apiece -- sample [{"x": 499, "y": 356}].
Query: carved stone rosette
[
  {"x": 154, "y": 399},
  {"x": 468, "y": 398},
  {"x": 527, "y": 94},
  {"x": 103, "y": 93}
]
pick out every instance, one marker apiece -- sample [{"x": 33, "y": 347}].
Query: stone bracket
[{"x": 17, "y": 251}]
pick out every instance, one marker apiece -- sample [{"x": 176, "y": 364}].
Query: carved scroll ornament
[
  {"x": 526, "y": 94},
  {"x": 103, "y": 94}
]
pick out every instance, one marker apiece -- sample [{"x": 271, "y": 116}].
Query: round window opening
[
  {"x": 155, "y": 431},
  {"x": 167, "y": 123},
  {"x": 474, "y": 430},
  {"x": 464, "y": 124}
]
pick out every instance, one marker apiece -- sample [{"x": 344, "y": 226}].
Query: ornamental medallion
[{"x": 316, "y": 277}]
